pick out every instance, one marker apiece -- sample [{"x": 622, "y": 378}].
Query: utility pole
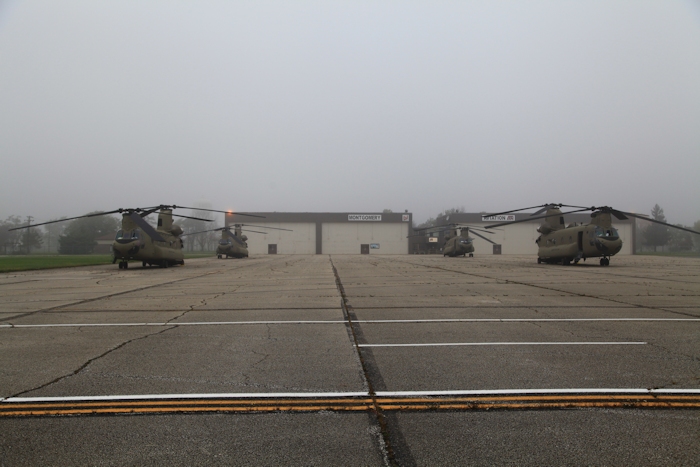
[{"x": 26, "y": 235}]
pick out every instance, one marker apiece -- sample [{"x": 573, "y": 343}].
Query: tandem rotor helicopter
[
  {"x": 456, "y": 243},
  {"x": 235, "y": 244},
  {"x": 560, "y": 243},
  {"x": 138, "y": 240}
]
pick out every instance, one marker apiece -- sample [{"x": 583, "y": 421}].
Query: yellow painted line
[
  {"x": 151, "y": 403},
  {"x": 362, "y": 404}
]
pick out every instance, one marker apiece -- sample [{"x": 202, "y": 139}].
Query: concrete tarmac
[{"x": 353, "y": 360}]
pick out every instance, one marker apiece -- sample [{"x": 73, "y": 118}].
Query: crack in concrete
[{"x": 86, "y": 364}]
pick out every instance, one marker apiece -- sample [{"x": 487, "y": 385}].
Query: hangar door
[
  {"x": 347, "y": 238},
  {"x": 300, "y": 241}
]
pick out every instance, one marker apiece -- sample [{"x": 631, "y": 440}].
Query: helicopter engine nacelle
[
  {"x": 244, "y": 238},
  {"x": 176, "y": 230},
  {"x": 545, "y": 229}
]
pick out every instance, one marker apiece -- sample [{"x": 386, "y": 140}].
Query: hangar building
[
  {"x": 326, "y": 232},
  {"x": 386, "y": 233}
]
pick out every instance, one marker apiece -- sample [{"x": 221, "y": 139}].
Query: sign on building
[
  {"x": 365, "y": 217},
  {"x": 501, "y": 218}
]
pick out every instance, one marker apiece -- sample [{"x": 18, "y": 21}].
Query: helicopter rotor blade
[
  {"x": 543, "y": 207},
  {"x": 68, "y": 219},
  {"x": 216, "y": 210},
  {"x": 658, "y": 222},
  {"x": 195, "y": 218},
  {"x": 535, "y": 218},
  {"x": 516, "y": 210},
  {"x": 606, "y": 209},
  {"x": 471, "y": 227},
  {"x": 146, "y": 227},
  {"x": 265, "y": 227},
  {"x": 203, "y": 231},
  {"x": 434, "y": 227},
  {"x": 481, "y": 236},
  {"x": 254, "y": 231}
]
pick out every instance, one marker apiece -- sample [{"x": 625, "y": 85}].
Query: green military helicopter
[
  {"x": 138, "y": 240},
  {"x": 457, "y": 239},
  {"x": 560, "y": 243},
  {"x": 234, "y": 245}
]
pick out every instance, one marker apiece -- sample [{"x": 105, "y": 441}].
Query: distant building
[
  {"x": 104, "y": 245},
  {"x": 327, "y": 233}
]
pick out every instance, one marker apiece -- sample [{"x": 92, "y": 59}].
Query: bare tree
[{"x": 10, "y": 240}]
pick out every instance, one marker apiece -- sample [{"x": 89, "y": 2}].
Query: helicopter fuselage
[
  {"x": 577, "y": 242},
  {"x": 144, "y": 248},
  {"x": 232, "y": 245},
  {"x": 231, "y": 249},
  {"x": 133, "y": 243},
  {"x": 458, "y": 245}
]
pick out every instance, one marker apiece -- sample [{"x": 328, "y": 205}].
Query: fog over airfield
[{"x": 349, "y": 105}]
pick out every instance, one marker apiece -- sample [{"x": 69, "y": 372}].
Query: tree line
[{"x": 655, "y": 236}]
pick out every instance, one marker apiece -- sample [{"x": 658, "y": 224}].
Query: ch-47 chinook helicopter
[
  {"x": 235, "y": 244},
  {"x": 457, "y": 243},
  {"x": 560, "y": 243},
  {"x": 138, "y": 240}
]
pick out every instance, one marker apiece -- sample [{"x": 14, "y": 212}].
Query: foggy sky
[{"x": 351, "y": 106}]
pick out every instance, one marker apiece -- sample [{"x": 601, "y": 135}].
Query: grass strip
[{"x": 31, "y": 262}]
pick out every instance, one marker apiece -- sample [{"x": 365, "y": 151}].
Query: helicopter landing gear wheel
[
  {"x": 471, "y": 255},
  {"x": 539, "y": 260},
  {"x": 604, "y": 262},
  {"x": 218, "y": 256},
  {"x": 143, "y": 264},
  {"x": 123, "y": 265}
]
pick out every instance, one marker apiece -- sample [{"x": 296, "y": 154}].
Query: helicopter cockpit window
[
  {"x": 128, "y": 234},
  {"x": 224, "y": 242},
  {"x": 610, "y": 233}
]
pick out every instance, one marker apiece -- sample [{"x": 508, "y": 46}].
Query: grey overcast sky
[{"x": 349, "y": 105}]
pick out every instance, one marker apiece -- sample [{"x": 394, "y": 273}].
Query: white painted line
[
  {"x": 498, "y": 392},
  {"x": 307, "y": 395},
  {"x": 361, "y": 321},
  {"x": 508, "y": 320},
  {"x": 499, "y": 343}
]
